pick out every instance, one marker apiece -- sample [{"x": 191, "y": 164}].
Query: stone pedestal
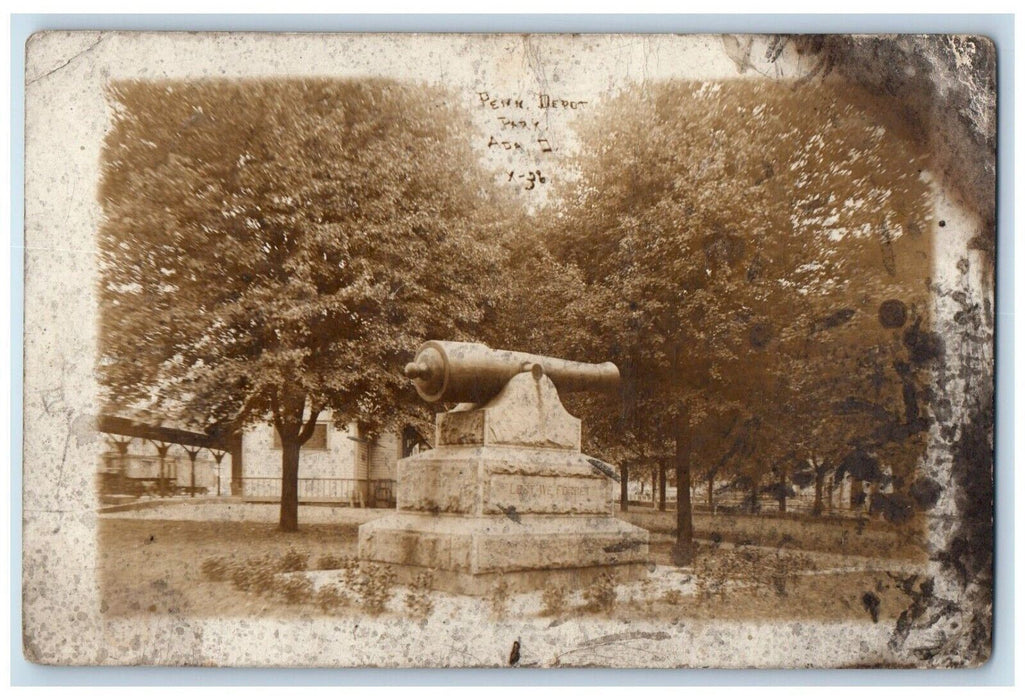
[{"x": 506, "y": 494}]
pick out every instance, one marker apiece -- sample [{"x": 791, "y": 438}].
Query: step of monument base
[
  {"x": 526, "y": 581},
  {"x": 471, "y": 554}
]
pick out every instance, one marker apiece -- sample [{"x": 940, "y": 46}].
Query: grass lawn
[
  {"x": 149, "y": 564},
  {"x": 845, "y": 536},
  {"x": 811, "y": 597}
]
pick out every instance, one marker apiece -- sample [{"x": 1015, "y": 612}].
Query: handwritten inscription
[
  {"x": 490, "y": 102},
  {"x": 509, "y": 145},
  {"x": 544, "y": 101},
  {"x": 530, "y": 179},
  {"x": 524, "y": 124},
  {"x": 520, "y": 131},
  {"x": 548, "y": 102}
]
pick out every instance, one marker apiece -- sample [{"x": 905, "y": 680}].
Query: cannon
[
  {"x": 474, "y": 373},
  {"x": 504, "y": 478}
]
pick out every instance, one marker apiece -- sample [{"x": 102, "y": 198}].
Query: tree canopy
[
  {"x": 274, "y": 248},
  {"x": 751, "y": 255},
  {"x": 734, "y": 243}
]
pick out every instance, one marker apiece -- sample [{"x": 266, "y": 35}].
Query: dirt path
[{"x": 216, "y": 510}]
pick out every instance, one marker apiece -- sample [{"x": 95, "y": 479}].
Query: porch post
[{"x": 624, "y": 480}]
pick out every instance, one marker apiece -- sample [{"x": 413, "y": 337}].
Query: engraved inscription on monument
[{"x": 548, "y": 494}]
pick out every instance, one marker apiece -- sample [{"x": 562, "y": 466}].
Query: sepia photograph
[{"x": 495, "y": 350}]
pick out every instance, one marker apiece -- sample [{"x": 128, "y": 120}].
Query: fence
[
  {"x": 371, "y": 493},
  {"x": 727, "y": 501}
]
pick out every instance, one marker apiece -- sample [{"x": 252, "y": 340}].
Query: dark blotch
[
  {"x": 860, "y": 465},
  {"x": 514, "y": 655},
  {"x": 893, "y": 313},
  {"x": 760, "y": 335},
  {"x": 622, "y": 546},
  {"x": 870, "y": 601},
  {"x": 837, "y": 318},
  {"x": 926, "y": 492},
  {"x": 895, "y": 507},
  {"x": 923, "y": 346}
]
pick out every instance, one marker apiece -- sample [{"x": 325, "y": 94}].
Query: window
[{"x": 317, "y": 441}]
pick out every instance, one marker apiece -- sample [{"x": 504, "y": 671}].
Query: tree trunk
[
  {"x": 294, "y": 432},
  {"x": 683, "y": 550},
  {"x": 236, "y": 464},
  {"x": 164, "y": 482},
  {"x": 711, "y": 491},
  {"x": 829, "y": 493},
  {"x": 289, "y": 518},
  {"x": 781, "y": 491},
  {"x": 820, "y": 482},
  {"x": 661, "y": 485},
  {"x": 624, "y": 484},
  {"x": 755, "y": 483}
]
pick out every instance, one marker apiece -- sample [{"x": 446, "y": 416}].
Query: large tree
[
  {"x": 725, "y": 230},
  {"x": 271, "y": 249}
]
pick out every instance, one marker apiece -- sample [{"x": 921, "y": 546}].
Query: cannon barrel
[{"x": 472, "y": 372}]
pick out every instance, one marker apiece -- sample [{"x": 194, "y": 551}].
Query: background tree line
[{"x": 755, "y": 257}]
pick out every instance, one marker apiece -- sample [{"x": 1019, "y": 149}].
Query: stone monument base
[
  {"x": 481, "y": 585},
  {"x": 506, "y": 495},
  {"x": 471, "y": 555}
]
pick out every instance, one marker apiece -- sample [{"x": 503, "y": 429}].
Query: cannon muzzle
[{"x": 471, "y": 372}]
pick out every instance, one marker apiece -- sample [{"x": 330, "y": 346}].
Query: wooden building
[{"x": 337, "y": 465}]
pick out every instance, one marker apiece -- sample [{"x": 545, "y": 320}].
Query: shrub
[
  {"x": 329, "y": 562},
  {"x": 330, "y": 598},
  {"x": 240, "y": 575},
  {"x": 418, "y": 600},
  {"x": 771, "y": 572},
  {"x": 712, "y": 572},
  {"x": 498, "y": 598},
  {"x": 293, "y": 560},
  {"x": 601, "y": 594},
  {"x": 554, "y": 600},
  {"x": 216, "y": 568},
  {"x": 294, "y": 589},
  {"x": 255, "y": 575},
  {"x": 374, "y": 586},
  {"x": 350, "y": 573},
  {"x": 785, "y": 568}
]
